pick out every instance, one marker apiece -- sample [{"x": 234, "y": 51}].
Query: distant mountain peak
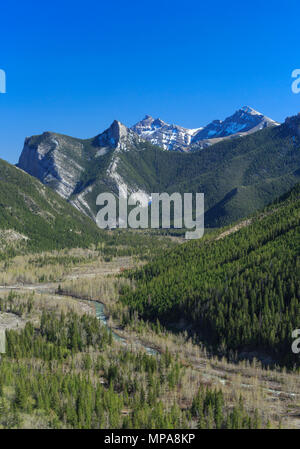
[
  {"x": 168, "y": 136},
  {"x": 158, "y": 122},
  {"x": 118, "y": 130},
  {"x": 120, "y": 160},
  {"x": 244, "y": 121},
  {"x": 112, "y": 136},
  {"x": 174, "y": 137},
  {"x": 149, "y": 123},
  {"x": 249, "y": 110}
]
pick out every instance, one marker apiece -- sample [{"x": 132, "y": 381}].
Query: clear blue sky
[{"x": 73, "y": 67}]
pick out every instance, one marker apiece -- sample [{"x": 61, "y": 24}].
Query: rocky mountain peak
[
  {"x": 174, "y": 137},
  {"x": 249, "y": 110},
  {"x": 244, "y": 121},
  {"x": 112, "y": 136},
  {"x": 158, "y": 123},
  {"x": 158, "y": 132}
]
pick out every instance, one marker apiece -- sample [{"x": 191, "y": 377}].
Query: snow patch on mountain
[
  {"x": 243, "y": 121},
  {"x": 158, "y": 132},
  {"x": 174, "y": 137}
]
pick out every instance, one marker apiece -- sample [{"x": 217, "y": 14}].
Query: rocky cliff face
[
  {"x": 117, "y": 136},
  {"x": 74, "y": 167},
  {"x": 54, "y": 160}
]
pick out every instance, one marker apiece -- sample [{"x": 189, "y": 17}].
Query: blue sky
[{"x": 73, "y": 67}]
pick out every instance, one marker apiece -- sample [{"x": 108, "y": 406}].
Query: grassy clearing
[{"x": 43, "y": 267}]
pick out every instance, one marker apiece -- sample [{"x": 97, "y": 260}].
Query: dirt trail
[
  {"x": 235, "y": 228},
  {"x": 247, "y": 222}
]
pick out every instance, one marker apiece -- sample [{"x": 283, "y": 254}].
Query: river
[{"x": 100, "y": 314}]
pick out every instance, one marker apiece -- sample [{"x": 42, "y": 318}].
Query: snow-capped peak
[
  {"x": 165, "y": 135},
  {"x": 250, "y": 110},
  {"x": 244, "y": 121},
  {"x": 173, "y": 137}
]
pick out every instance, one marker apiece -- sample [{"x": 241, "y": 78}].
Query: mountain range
[
  {"x": 173, "y": 137},
  {"x": 237, "y": 175},
  {"x": 250, "y": 277}
]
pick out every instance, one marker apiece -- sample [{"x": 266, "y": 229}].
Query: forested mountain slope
[
  {"x": 35, "y": 217},
  {"x": 237, "y": 176},
  {"x": 240, "y": 293}
]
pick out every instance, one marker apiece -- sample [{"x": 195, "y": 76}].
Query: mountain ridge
[
  {"x": 236, "y": 175},
  {"x": 174, "y": 137},
  {"x": 35, "y": 217}
]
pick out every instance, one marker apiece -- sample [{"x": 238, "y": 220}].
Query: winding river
[{"x": 100, "y": 314}]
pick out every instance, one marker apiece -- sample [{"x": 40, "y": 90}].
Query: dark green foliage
[
  {"x": 239, "y": 293},
  {"x": 57, "y": 338},
  {"x": 67, "y": 372},
  {"x": 209, "y": 408},
  {"x": 41, "y": 215},
  {"x": 13, "y": 304}
]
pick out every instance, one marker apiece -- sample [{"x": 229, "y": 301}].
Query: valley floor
[{"x": 275, "y": 393}]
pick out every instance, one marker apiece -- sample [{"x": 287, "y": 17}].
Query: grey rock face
[
  {"x": 114, "y": 135},
  {"x": 47, "y": 158},
  {"x": 67, "y": 165}
]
